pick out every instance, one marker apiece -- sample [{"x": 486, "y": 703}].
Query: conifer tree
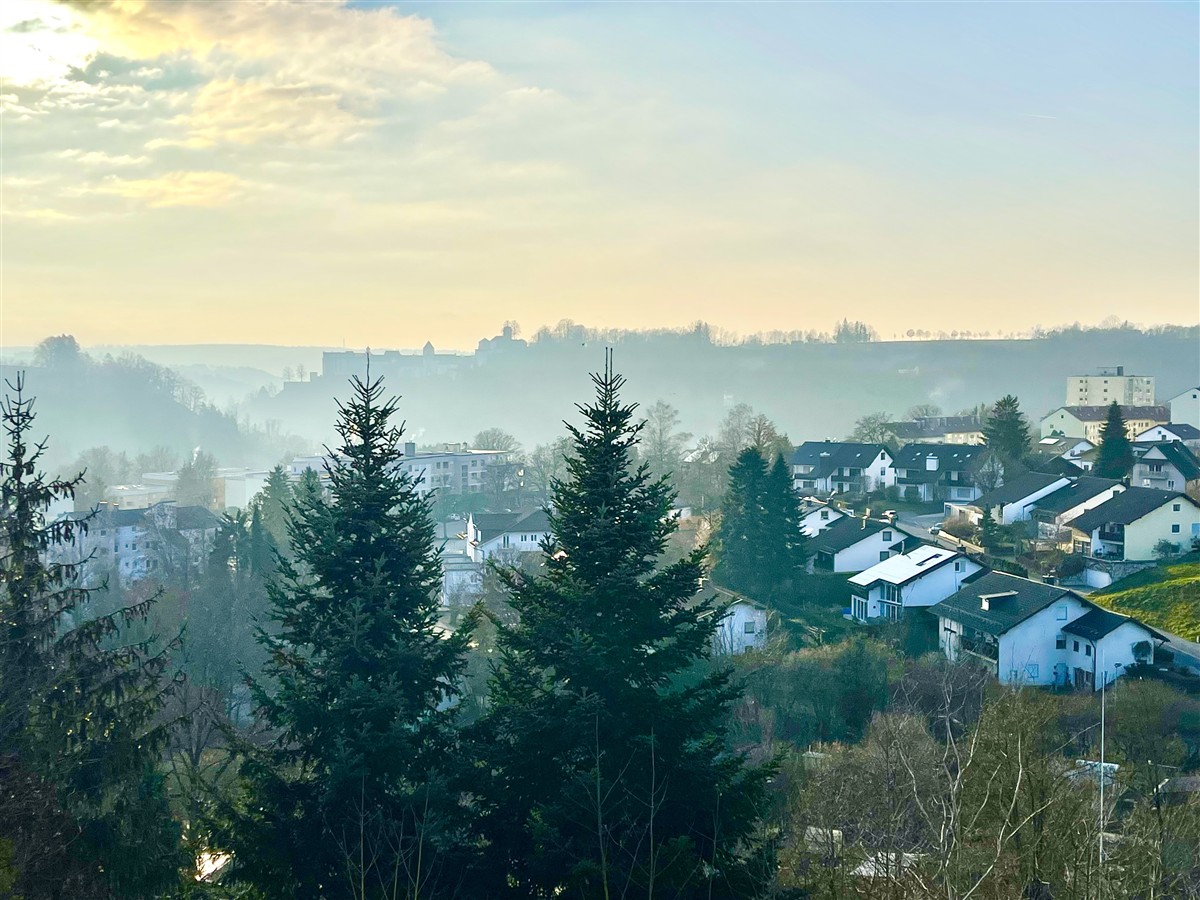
[
  {"x": 784, "y": 547},
  {"x": 349, "y": 798},
  {"x": 605, "y": 766},
  {"x": 1115, "y": 456},
  {"x": 1006, "y": 432},
  {"x": 83, "y": 811},
  {"x": 743, "y": 529},
  {"x": 273, "y": 502}
]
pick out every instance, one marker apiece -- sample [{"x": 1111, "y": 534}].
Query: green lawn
[{"x": 1166, "y": 597}]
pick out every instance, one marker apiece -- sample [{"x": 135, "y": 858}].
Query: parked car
[
  {"x": 935, "y": 529},
  {"x": 889, "y": 516}
]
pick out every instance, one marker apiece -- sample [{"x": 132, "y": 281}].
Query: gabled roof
[
  {"x": 1081, "y": 490},
  {"x": 1012, "y": 601},
  {"x": 1127, "y": 507},
  {"x": 906, "y": 567},
  {"x": 850, "y": 530},
  {"x": 1176, "y": 454},
  {"x": 1096, "y": 623},
  {"x": 826, "y": 457},
  {"x": 1060, "y": 466},
  {"x": 492, "y": 525},
  {"x": 949, "y": 456},
  {"x": 1181, "y": 430},
  {"x": 1016, "y": 489},
  {"x": 932, "y": 426},
  {"x": 189, "y": 518},
  {"x": 1100, "y": 413}
]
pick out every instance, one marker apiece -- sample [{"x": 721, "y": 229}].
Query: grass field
[{"x": 1166, "y": 597}]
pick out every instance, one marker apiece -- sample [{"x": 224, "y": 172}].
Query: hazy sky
[{"x": 382, "y": 174}]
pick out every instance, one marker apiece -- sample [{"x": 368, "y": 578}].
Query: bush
[
  {"x": 1071, "y": 565},
  {"x": 960, "y": 528},
  {"x": 912, "y": 494},
  {"x": 1164, "y": 549}
]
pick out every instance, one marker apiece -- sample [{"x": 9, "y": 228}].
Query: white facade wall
[
  {"x": 744, "y": 628},
  {"x": 925, "y": 591},
  {"x": 867, "y": 552},
  {"x": 1018, "y": 511},
  {"x": 819, "y": 519},
  {"x": 513, "y": 542},
  {"x": 1185, "y": 407}
]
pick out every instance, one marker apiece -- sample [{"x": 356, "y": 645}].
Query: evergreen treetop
[
  {"x": 360, "y": 683},
  {"x": 604, "y": 748},
  {"x": 1115, "y": 456},
  {"x": 1006, "y": 432}
]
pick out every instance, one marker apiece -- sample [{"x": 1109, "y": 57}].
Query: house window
[
  {"x": 1076, "y": 646},
  {"x": 1174, "y": 507},
  {"x": 748, "y": 628},
  {"x": 891, "y": 593},
  {"x": 958, "y": 565},
  {"x": 1087, "y": 650},
  {"x": 1175, "y": 529},
  {"x": 1031, "y": 671},
  {"x": 824, "y": 515},
  {"x": 883, "y": 554},
  {"x": 887, "y": 535},
  {"x": 1060, "y": 613},
  {"x": 1060, "y": 643}
]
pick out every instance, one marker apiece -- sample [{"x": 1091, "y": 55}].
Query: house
[
  {"x": 939, "y": 471},
  {"x": 1180, "y": 432},
  {"x": 462, "y": 563},
  {"x": 1053, "y": 511},
  {"x": 817, "y": 515},
  {"x": 852, "y": 544},
  {"x": 919, "y": 578},
  {"x": 1185, "y": 407},
  {"x": 1013, "y": 501},
  {"x": 1168, "y": 466},
  {"x": 939, "y": 430},
  {"x": 1029, "y": 633},
  {"x": 160, "y": 541},
  {"x": 1062, "y": 447},
  {"x": 743, "y": 628},
  {"x": 1108, "y": 384},
  {"x": 1087, "y": 422},
  {"x": 1129, "y": 525},
  {"x": 506, "y": 534},
  {"x": 831, "y": 467}
]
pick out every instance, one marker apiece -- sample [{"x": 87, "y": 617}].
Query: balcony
[{"x": 982, "y": 648}]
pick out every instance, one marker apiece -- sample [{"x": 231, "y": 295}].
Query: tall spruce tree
[
  {"x": 273, "y": 502},
  {"x": 83, "y": 811},
  {"x": 605, "y": 770},
  {"x": 1006, "y": 433},
  {"x": 1115, "y": 456},
  {"x": 744, "y": 525},
  {"x": 784, "y": 547},
  {"x": 349, "y": 799}
]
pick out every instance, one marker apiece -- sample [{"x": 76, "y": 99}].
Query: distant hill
[
  {"x": 811, "y": 390},
  {"x": 1166, "y": 597}
]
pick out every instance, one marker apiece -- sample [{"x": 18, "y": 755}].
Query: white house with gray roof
[
  {"x": 919, "y": 578},
  {"x": 855, "y": 544},
  {"x": 1029, "y": 633},
  {"x": 839, "y": 467}
]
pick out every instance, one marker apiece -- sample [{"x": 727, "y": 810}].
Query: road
[{"x": 919, "y": 526}]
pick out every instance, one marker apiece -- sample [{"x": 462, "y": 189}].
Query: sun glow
[{"x": 41, "y": 42}]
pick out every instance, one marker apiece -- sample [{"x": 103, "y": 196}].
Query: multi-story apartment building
[{"x": 1109, "y": 384}]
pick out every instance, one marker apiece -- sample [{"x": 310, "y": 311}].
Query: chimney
[{"x": 410, "y": 448}]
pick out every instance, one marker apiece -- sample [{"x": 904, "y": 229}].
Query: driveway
[{"x": 918, "y": 526}]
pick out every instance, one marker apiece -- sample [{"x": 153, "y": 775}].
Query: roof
[
  {"x": 1027, "y": 598},
  {"x": 1082, "y": 489},
  {"x": 949, "y": 456},
  {"x": 848, "y": 531},
  {"x": 905, "y": 567},
  {"x": 1096, "y": 623},
  {"x": 932, "y": 426},
  {"x": 189, "y": 518},
  {"x": 1100, "y": 413},
  {"x": 828, "y": 456},
  {"x": 1060, "y": 466},
  {"x": 1181, "y": 430},
  {"x": 492, "y": 525},
  {"x": 1176, "y": 454},
  {"x": 1061, "y": 444},
  {"x": 1017, "y": 489},
  {"x": 1127, "y": 507}
]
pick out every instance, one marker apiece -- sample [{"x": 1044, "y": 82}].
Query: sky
[{"x": 329, "y": 173}]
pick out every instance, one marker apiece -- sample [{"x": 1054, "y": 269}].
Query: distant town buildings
[
  {"x": 1108, "y": 385},
  {"x": 1087, "y": 422},
  {"x": 939, "y": 430}
]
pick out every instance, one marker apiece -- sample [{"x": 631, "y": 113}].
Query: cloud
[
  {"x": 100, "y": 158},
  {"x": 205, "y": 189}
]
